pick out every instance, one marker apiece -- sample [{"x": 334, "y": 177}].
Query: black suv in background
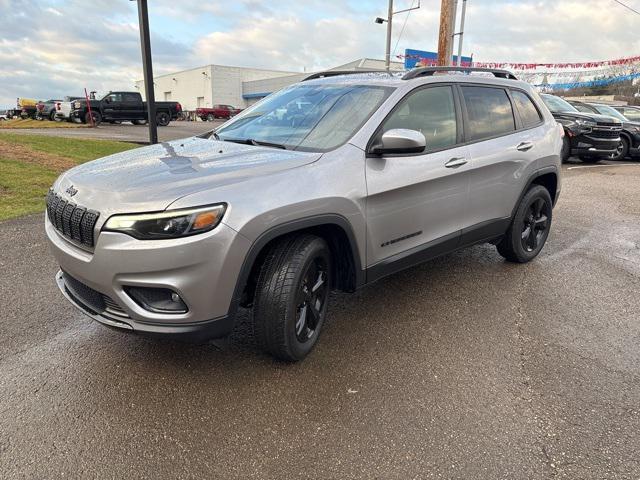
[
  {"x": 630, "y": 135},
  {"x": 590, "y": 136}
]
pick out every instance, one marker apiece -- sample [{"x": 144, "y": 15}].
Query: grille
[
  {"x": 96, "y": 301},
  {"x": 596, "y": 133},
  {"x": 74, "y": 222}
]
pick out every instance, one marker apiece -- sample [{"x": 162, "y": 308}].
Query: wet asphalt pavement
[{"x": 465, "y": 367}]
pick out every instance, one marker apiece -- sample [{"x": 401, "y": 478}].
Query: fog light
[{"x": 157, "y": 300}]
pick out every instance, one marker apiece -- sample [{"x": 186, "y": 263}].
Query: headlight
[
  {"x": 171, "y": 224},
  {"x": 77, "y": 104},
  {"x": 586, "y": 123}
]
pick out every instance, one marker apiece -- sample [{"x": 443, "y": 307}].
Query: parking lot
[
  {"x": 465, "y": 367},
  {"x": 126, "y": 132}
]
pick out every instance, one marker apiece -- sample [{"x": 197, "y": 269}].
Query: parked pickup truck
[
  {"x": 47, "y": 109},
  {"x": 63, "y": 109},
  {"x": 123, "y": 106},
  {"x": 217, "y": 111}
]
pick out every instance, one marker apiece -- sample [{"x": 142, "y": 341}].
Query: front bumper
[
  {"x": 585, "y": 145},
  {"x": 202, "y": 269}
]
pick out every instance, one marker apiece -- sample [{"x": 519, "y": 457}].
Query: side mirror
[{"x": 400, "y": 141}]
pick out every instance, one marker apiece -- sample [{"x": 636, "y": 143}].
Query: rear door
[
  {"x": 418, "y": 201},
  {"x": 132, "y": 108},
  {"x": 503, "y": 128}
]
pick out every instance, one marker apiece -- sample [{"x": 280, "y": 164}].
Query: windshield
[
  {"x": 610, "y": 112},
  {"x": 557, "y": 104},
  {"x": 306, "y": 117}
]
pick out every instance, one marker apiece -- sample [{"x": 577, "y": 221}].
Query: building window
[
  {"x": 167, "y": 96},
  {"x": 200, "y": 102}
]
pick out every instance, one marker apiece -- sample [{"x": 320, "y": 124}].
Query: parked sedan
[{"x": 630, "y": 135}]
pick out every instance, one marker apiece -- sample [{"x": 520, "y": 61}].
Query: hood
[
  {"x": 594, "y": 117},
  {"x": 153, "y": 177}
]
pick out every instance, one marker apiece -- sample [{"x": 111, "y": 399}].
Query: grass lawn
[
  {"x": 29, "y": 164},
  {"x": 28, "y": 123}
]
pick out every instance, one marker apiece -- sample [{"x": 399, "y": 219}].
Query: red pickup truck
[{"x": 217, "y": 111}]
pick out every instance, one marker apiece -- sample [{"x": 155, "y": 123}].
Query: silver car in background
[{"x": 330, "y": 184}]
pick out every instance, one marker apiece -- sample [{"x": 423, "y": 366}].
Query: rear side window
[
  {"x": 131, "y": 97},
  {"x": 430, "y": 111},
  {"x": 529, "y": 114},
  {"x": 489, "y": 112}
]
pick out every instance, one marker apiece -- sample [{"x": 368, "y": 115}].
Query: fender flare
[
  {"x": 290, "y": 227},
  {"x": 532, "y": 178}
]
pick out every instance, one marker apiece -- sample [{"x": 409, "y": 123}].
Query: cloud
[{"x": 51, "y": 48}]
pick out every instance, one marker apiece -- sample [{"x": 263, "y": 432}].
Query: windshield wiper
[{"x": 257, "y": 143}]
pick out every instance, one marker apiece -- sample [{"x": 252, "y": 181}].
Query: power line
[
  {"x": 627, "y": 7},
  {"x": 403, "y": 26}
]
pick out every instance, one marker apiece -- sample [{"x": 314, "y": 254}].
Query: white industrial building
[{"x": 237, "y": 86}]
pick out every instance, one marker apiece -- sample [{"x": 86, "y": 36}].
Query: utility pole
[
  {"x": 387, "y": 56},
  {"x": 461, "y": 33},
  {"x": 445, "y": 42},
  {"x": 389, "y": 20},
  {"x": 145, "y": 42}
]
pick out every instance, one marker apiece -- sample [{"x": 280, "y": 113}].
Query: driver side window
[{"x": 430, "y": 111}]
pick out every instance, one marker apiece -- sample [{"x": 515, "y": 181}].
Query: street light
[{"x": 389, "y": 20}]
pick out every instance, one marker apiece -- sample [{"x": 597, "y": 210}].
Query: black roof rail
[
  {"x": 337, "y": 73},
  {"x": 429, "y": 71}
]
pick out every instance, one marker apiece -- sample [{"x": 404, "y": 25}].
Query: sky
[{"x": 53, "y": 48}]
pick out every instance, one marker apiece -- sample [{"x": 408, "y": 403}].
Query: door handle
[
  {"x": 524, "y": 146},
  {"x": 456, "y": 162}
]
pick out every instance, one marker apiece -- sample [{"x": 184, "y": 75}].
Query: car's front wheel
[
  {"x": 529, "y": 228},
  {"x": 566, "y": 149},
  {"x": 622, "y": 151},
  {"x": 292, "y": 295}
]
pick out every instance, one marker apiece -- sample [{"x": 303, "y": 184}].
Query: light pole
[
  {"x": 389, "y": 20},
  {"x": 145, "y": 43},
  {"x": 461, "y": 33}
]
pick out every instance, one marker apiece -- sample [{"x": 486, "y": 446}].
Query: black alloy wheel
[
  {"x": 529, "y": 228},
  {"x": 535, "y": 226},
  {"x": 292, "y": 296},
  {"x": 163, "y": 119},
  {"x": 313, "y": 293}
]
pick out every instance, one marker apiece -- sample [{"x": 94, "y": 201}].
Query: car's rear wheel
[
  {"x": 210, "y": 118},
  {"x": 622, "y": 151},
  {"x": 529, "y": 228},
  {"x": 292, "y": 295},
  {"x": 163, "y": 119}
]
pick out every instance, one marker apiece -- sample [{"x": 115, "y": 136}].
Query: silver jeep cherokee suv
[{"x": 329, "y": 184}]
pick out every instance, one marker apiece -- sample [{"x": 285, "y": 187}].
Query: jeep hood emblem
[{"x": 71, "y": 191}]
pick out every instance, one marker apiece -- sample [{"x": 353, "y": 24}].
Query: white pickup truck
[{"x": 63, "y": 109}]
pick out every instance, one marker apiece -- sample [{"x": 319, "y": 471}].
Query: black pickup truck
[
  {"x": 121, "y": 107},
  {"x": 592, "y": 137}
]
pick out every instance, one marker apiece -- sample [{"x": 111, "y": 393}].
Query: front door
[{"x": 417, "y": 202}]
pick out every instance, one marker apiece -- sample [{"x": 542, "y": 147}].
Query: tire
[
  {"x": 163, "y": 119},
  {"x": 534, "y": 215},
  {"x": 97, "y": 118},
  {"x": 565, "y": 153},
  {"x": 210, "y": 118},
  {"x": 294, "y": 282},
  {"x": 622, "y": 152},
  {"x": 52, "y": 116}
]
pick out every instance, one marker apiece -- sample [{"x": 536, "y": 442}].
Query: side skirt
[{"x": 481, "y": 233}]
